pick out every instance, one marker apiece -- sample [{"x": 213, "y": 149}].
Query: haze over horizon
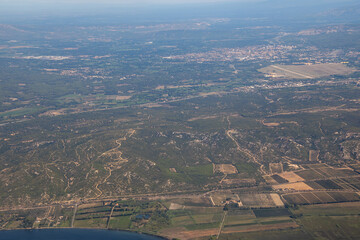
[{"x": 15, "y": 11}]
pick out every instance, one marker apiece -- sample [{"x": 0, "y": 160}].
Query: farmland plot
[{"x": 259, "y": 200}]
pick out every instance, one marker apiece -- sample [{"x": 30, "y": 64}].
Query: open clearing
[
  {"x": 306, "y": 71},
  {"x": 175, "y": 206},
  {"x": 225, "y": 168}
]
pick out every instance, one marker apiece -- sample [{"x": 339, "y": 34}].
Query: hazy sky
[
  {"x": 122, "y": 1},
  {"x": 14, "y": 9}
]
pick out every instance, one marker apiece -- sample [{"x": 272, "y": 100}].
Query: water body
[{"x": 72, "y": 234}]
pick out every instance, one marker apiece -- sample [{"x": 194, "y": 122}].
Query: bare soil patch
[
  {"x": 271, "y": 124},
  {"x": 277, "y": 200},
  {"x": 258, "y": 200},
  {"x": 299, "y": 186},
  {"x": 173, "y": 170},
  {"x": 202, "y": 118},
  {"x": 120, "y": 98},
  {"x": 291, "y": 177},
  {"x": 175, "y": 206},
  {"x": 225, "y": 168}
]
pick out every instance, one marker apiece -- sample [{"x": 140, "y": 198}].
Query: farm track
[
  {"x": 114, "y": 165},
  {"x": 108, "y": 221},
  {"x": 222, "y": 224},
  {"x": 74, "y": 215},
  {"x": 244, "y": 150},
  {"x": 223, "y": 178}
]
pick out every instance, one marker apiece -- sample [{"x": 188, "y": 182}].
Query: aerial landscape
[{"x": 189, "y": 120}]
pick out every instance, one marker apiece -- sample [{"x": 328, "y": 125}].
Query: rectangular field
[
  {"x": 310, "y": 174},
  {"x": 354, "y": 182},
  {"x": 306, "y": 71},
  {"x": 320, "y": 197},
  {"x": 328, "y": 184},
  {"x": 260, "y": 200},
  {"x": 314, "y": 185},
  {"x": 291, "y": 177},
  {"x": 271, "y": 212},
  {"x": 225, "y": 168},
  {"x": 299, "y": 186},
  {"x": 279, "y": 179}
]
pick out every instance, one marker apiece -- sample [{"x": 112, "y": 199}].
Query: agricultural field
[
  {"x": 298, "y": 186},
  {"x": 353, "y": 182},
  {"x": 170, "y": 127},
  {"x": 320, "y": 197},
  {"x": 234, "y": 221},
  {"x": 279, "y": 179},
  {"x": 329, "y": 221},
  {"x": 291, "y": 177},
  {"x": 310, "y": 174},
  {"x": 260, "y": 200}
]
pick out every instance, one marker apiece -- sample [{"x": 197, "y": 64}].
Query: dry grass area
[
  {"x": 239, "y": 181},
  {"x": 271, "y": 124},
  {"x": 298, "y": 186},
  {"x": 277, "y": 200},
  {"x": 219, "y": 198},
  {"x": 253, "y": 228},
  {"x": 209, "y": 94},
  {"x": 120, "y": 98},
  {"x": 182, "y": 233},
  {"x": 175, "y": 206},
  {"x": 162, "y": 87},
  {"x": 306, "y": 71},
  {"x": 291, "y": 177},
  {"x": 257, "y": 200},
  {"x": 202, "y": 118},
  {"x": 225, "y": 168},
  {"x": 189, "y": 200},
  {"x": 90, "y": 205},
  {"x": 54, "y": 112}
]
